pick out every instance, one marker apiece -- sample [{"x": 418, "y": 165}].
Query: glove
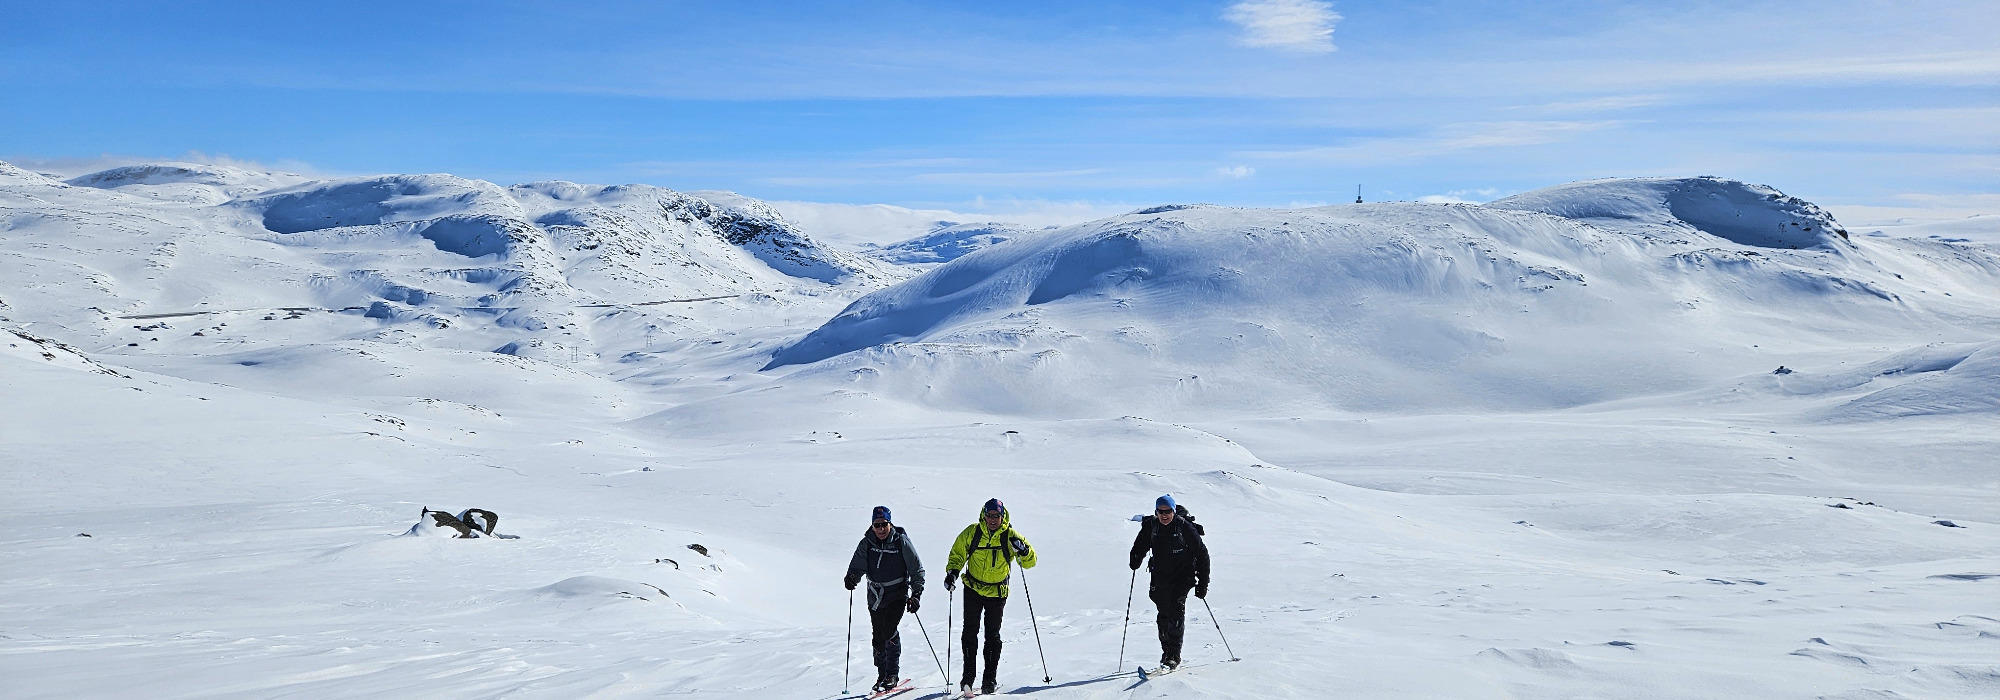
[
  {"x": 911, "y": 606},
  {"x": 951, "y": 580},
  {"x": 1020, "y": 546},
  {"x": 1201, "y": 590},
  {"x": 1136, "y": 560},
  {"x": 851, "y": 580}
]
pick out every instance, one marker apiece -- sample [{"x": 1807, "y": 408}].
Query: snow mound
[
  {"x": 1742, "y": 213},
  {"x": 375, "y": 200},
  {"x": 1941, "y": 381},
  {"x": 198, "y": 183},
  {"x": 948, "y": 242},
  {"x": 12, "y": 172},
  {"x": 22, "y": 344}
]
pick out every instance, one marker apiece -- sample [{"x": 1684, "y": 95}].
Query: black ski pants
[
  {"x": 1170, "y": 596},
  {"x": 884, "y": 618},
  {"x": 977, "y": 605}
]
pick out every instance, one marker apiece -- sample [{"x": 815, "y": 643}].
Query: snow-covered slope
[
  {"x": 947, "y": 242},
  {"x": 1193, "y": 310},
  {"x": 461, "y": 263},
  {"x": 1748, "y": 215},
  {"x": 1544, "y": 449}
]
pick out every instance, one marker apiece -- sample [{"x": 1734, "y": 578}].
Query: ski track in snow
[{"x": 1536, "y": 449}]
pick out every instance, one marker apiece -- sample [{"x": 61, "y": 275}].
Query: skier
[
  {"x": 895, "y": 584},
  {"x": 1180, "y": 562},
  {"x": 987, "y": 550}
]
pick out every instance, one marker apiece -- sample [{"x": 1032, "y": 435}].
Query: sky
[{"x": 1876, "y": 109}]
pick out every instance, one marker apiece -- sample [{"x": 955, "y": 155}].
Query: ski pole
[
  {"x": 1128, "y": 618},
  {"x": 848, "y": 661},
  {"x": 1218, "y": 630},
  {"x": 948, "y": 593},
  {"x": 1037, "y": 625},
  {"x": 933, "y": 648}
]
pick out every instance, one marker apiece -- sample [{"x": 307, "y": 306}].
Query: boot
[{"x": 986, "y": 684}]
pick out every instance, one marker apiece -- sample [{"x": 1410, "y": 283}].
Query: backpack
[{"x": 1181, "y": 513}]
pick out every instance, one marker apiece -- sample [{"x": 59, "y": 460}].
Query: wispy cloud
[
  {"x": 1236, "y": 172},
  {"x": 1607, "y": 103},
  {"x": 1005, "y": 178},
  {"x": 1304, "y": 26},
  {"x": 1447, "y": 139},
  {"x": 1461, "y": 196}
]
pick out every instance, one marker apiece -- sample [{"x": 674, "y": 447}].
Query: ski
[
  {"x": 900, "y": 688},
  {"x": 1148, "y": 674}
]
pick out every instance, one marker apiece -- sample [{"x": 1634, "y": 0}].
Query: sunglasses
[
  {"x": 993, "y": 514},
  {"x": 881, "y": 524},
  {"x": 1164, "y": 511}
]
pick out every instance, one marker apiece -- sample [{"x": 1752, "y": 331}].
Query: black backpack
[{"x": 1181, "y": 513}]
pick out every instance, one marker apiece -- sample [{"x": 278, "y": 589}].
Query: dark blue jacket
[{"x": 890, "y": 565}]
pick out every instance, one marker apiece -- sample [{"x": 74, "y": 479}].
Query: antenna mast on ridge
[{"x": 1357, "y": 194}]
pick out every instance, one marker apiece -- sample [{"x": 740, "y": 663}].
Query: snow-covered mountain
[
  {"x": 424, "y": 253},
  {"x": 1681, "y": 437},
  {"x": 947, "y": 242},
  {"x": 1575, "y": 295}
]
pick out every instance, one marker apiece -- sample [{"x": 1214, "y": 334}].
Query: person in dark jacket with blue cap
[
  {"x": 895, "y": 583},
  {"x": 1180, "y": 563}
]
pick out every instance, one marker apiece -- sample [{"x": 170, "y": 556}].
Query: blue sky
[{"x": 1878, "y": 107}]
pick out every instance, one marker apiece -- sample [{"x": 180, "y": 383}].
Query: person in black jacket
[
  {"x": 1180, "y": 563},
  {"x": 895, "y": 583}
]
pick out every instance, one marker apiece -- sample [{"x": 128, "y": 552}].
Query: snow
[{"x": 1532, "y": 449}]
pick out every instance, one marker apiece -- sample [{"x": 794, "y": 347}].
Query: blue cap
[
  {"x": 881, "y": 513},
  {"x": 994, "y": 504},
  {"x": 1164, "y": 501}
]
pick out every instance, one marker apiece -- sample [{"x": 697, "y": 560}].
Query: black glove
[
  {"x": 1201, "y": 590},
  {"x": 911, "y": 606},
  {"x": 1020, "y": 546},
  {"x": 951, "y": 580},
  {"x": 851, "y": 580},
  {"x": 1136, "y": 560}
]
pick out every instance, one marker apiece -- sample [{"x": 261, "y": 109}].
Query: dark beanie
[
  {"x": 881, "y": 513},
  {"x": 993, "y": 504}
]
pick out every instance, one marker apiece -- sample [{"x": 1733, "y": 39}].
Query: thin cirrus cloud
[
  {"x": 1304, "y": 26},
  {"x": 1448, "y": 139}
]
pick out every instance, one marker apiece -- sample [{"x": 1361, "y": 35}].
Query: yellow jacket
[{"x": 987, "y": 557}]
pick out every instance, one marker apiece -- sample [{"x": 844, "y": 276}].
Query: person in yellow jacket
[{"x": 987, "y": 551}]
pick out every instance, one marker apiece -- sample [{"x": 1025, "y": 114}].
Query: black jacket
[
  {"x": 889, "y": 565},
  {"x": 1178, "y": 552}
]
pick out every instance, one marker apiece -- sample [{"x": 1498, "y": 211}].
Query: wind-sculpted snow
[
  {"x": 1395, "y": 305},
  {"x": 1439, "y": 450},
  {"x": 196, "y": 183},
  {"x": 455, "y": 257},
  {"x": 948, "y": 242},
  {"x": 381, "y": 200},
  {"x": 1940, "y": 379},
  {"x": 1750, "y": 215}
]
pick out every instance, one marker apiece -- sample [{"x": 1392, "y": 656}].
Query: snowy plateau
[{"x": 1665, "y": 437}]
